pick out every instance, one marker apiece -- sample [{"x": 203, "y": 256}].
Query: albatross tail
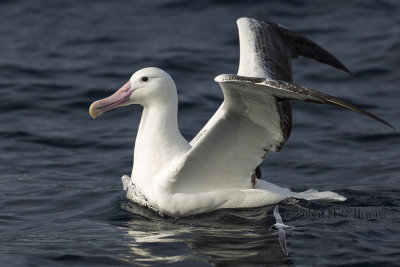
[{"x": 310, "y": 194}]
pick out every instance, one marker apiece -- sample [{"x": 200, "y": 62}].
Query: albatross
[{"x": 219, "y": 168}]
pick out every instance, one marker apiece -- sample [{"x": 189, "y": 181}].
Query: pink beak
[{"x": 119, "y": 98}]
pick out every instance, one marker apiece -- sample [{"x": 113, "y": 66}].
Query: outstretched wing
[
  {"x": 277, "y": 216},
  {"x": 282, "y": 241},
  {"x": 289, "y": 91},
  {"x": 248, "y": 125},
  {"x": 255, "y": 116},
  {"x": 266, "y": 51}
]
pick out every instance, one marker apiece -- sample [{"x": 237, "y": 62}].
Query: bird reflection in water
[{"x": 222, "y": 237}]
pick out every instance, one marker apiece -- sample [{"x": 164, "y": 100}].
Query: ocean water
[{"x": 61, "y": 197}]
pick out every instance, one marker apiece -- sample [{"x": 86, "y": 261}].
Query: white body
[{"x": 214, "y": 171}]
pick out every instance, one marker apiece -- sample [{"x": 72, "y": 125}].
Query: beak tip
[{"x": 92, "y": 110}]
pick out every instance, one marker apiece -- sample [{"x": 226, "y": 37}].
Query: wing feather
[
  {"x": 289, "y": 91},
  {"x": 282, "y": 241},
  {"x": 266, "y": 50},
  {"x": 277, "y": 216}
]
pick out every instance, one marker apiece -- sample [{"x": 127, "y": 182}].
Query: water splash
[{"x": 133, "y": 192}]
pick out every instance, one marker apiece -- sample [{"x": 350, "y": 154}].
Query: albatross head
[{"x": 146, "y": 87}]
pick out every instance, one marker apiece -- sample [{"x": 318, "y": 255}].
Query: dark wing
[{"x": 289, "y": 91}]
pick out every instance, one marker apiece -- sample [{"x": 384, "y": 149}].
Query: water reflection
[{"x": 225, "y": 237}]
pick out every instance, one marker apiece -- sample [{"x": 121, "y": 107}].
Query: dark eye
[{"x": 145, "y": 79}]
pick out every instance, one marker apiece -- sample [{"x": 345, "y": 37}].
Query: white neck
[{"x": 159, "y": 141}]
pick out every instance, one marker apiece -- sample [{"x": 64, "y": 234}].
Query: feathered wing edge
[
  {"x": 266, "y": 49},
  {"x": 289, "y": 91},
  {"x": 302, "y": 46}
]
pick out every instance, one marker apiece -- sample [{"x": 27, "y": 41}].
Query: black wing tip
[
  {"x": 322, "y": 98},
  {"x": 386, "y": 123},
  {"x": 302, "y": 46},
  {"x": 297, "y": 41},
  {"x": 342, "y": 103},
  {"x": 342, "y": 67},
  {"x": 379, "y": 119}
]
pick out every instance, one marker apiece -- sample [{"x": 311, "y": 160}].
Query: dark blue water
[{"x": 61, "y": 198}]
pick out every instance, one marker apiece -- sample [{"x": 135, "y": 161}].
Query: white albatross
[{"x": 219, "y": 167}]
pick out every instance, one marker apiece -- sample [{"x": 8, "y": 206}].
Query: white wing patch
[{"x": 240, "y": 135}]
